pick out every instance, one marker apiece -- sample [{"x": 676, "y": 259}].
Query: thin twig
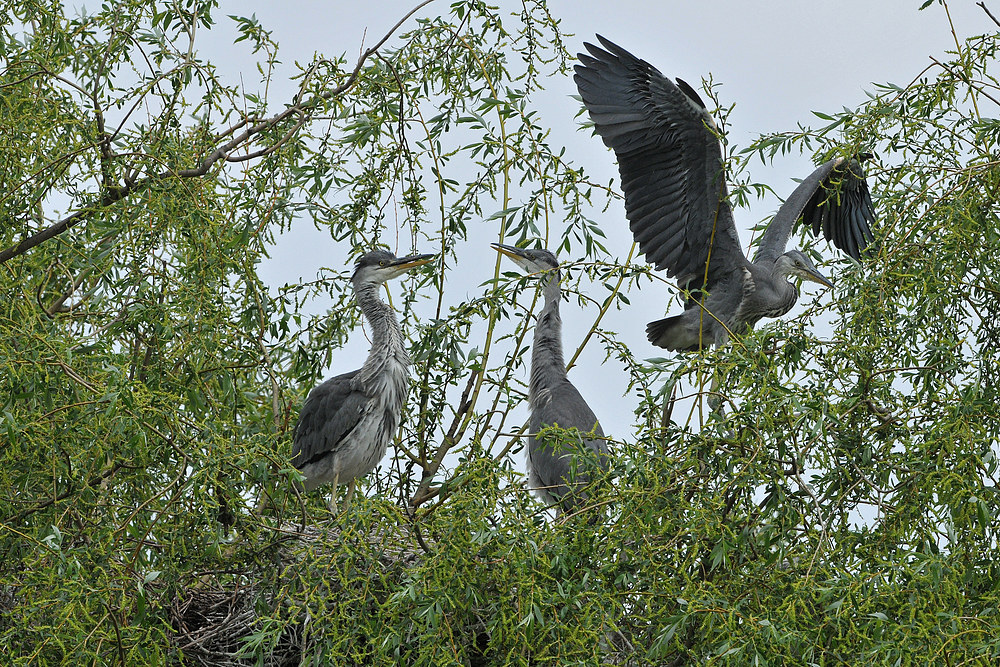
[
  {"x": 94, "y": 481},
  {"x": 988, "y": 12},
  {"x": 968, "y": 80}
]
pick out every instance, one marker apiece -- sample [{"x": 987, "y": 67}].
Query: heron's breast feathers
[
  {"x": 539, "y": 397},
  {"x": 386, "y": 381}
]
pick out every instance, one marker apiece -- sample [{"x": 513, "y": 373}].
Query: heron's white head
[
  {"x": 378, "y": 266},
  {"x": 529, "y": 259},
  {"x": 796, "y": 263}
]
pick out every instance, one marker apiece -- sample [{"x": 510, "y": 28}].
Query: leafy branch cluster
[{"x": 844, "y": 509}]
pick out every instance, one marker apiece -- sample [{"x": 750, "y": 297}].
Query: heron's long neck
[
  {"x": 547, "y": 365},
  {"x": 787, "y": 292},
  {"x": 387, "y": 337}
]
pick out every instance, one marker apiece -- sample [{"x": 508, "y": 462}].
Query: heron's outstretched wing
[
  {"x": 835, "y": 199},
  {"x": 669, "y": 159},
  {"x": 330, "y": 412}
]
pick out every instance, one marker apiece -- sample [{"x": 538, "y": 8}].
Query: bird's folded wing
[{"x": 330, "y": 412}]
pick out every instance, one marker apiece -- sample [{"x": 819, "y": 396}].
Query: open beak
[
  {"x": 509, "y": 250},
  {"x": 816, "y": 277},
  {"x": 407, "y": 263}
]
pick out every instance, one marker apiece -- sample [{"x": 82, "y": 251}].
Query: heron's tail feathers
[{"x": 673, "y": 334}]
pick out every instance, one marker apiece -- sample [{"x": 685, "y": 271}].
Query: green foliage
[{"x": 843, "y": 511}]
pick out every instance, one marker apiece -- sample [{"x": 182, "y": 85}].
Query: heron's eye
[{"x": 382, "y": 263}]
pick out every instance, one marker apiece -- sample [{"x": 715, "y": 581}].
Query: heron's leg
[
  {"x": 714, "y": 400},
  {"x": 332, "y": 505},
  {"x": 716, "y": 404},
  {"x": 350, "y": 494},
  {"x": 669, "y": 399}
]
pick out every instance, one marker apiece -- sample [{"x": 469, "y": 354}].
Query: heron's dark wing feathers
[
  {"x": 845, "y": 216},
  {"x": 330, "y": 412},
  {"x": 834, "y": 200},
  {"x": 669, "y": 159},
  {"x": 567, "y": 409},
  {"x": 690, "y": 92}
]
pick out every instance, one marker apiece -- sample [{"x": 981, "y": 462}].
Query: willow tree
[{"x": 843, "y": 507}]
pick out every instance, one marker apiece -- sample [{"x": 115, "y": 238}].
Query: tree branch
[
  {"x": 114, "y": 194},
  {"x": 92, "y": 482},
  {"x": 988, "y": 12}
]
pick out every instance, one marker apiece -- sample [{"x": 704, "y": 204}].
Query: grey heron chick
[
  {"x": 555, "y": 468},
  {"x": 674, "y": 181},
  {"x": 347, "y": 422}
]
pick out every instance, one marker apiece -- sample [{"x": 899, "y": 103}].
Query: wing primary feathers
[
  {"x": 834, "y": 200},
  {"x": 690, "y": 92},
  {"x": 669, "y": 160}
]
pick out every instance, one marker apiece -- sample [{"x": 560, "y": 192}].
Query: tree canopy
[{"x": 843, "y": 509}]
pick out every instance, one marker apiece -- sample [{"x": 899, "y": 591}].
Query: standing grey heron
[
  {"x": 674, "y": 180},
  {"x": 347, "y": 422},
  {"x": 554, "y": 469}
]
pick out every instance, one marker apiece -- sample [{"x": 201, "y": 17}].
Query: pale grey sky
[{"x": 777, "y": 61}]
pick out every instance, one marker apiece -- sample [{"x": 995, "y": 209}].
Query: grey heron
[
  {"x": 674, "y": 181},
  {"x": 555, "y": 470},
  {"x": 347, "y": 422}
]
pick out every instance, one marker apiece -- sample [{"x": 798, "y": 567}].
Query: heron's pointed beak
[
  {"x": 407, "y": 263},
  {"x": 815, "y": 276},
  {"x": 509, "y": 250}
]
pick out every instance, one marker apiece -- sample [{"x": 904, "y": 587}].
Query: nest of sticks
[{"x": 219, "y": 624}]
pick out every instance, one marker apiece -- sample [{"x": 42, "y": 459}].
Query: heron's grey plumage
[
  {"x": 347, "y": 422},
  {"x": 553, "y": 471},
  {"x": 673, "y": 178}
]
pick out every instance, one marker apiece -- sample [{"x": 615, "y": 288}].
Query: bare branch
[{"x": 988, "y": 12}]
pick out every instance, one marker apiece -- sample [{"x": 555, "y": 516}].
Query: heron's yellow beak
[
  {"x": 407, "y": 263},
  {"x": 816, "y": 277},
  {"x": 509, "y": 250}
]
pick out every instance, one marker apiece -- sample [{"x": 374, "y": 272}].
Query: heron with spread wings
[{"x": 674, "y": 181}]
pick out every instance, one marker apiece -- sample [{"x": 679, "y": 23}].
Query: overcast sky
[{"x": 777, "y": 61}]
